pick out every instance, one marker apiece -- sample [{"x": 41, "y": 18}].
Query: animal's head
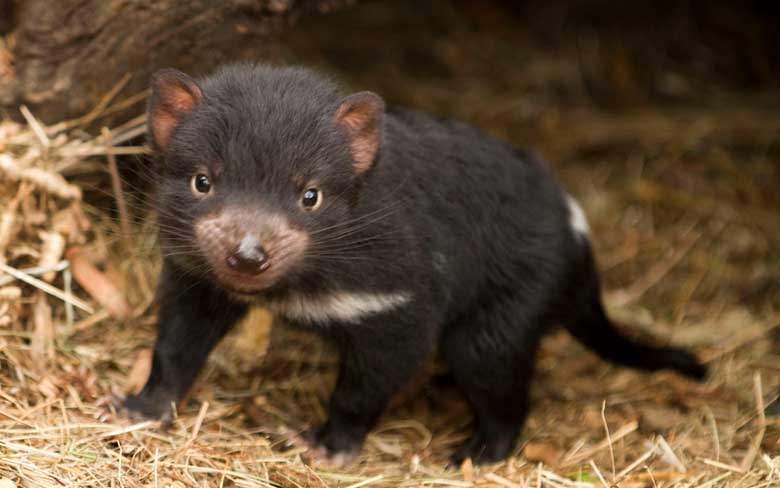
[{"x": 257, "y": 163}]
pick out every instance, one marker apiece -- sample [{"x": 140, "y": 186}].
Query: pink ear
[
  {"x": 361, "y": 117},
  {"x": 174, "y": 94}
]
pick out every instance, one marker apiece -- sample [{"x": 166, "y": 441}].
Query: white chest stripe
[
  {"x": 577, "y": 220},
  {"x": 340, "y": 306}
]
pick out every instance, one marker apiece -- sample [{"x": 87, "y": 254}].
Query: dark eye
[
  {"x": 311, "y": 199},
  {"x": 201, "y": 183}
]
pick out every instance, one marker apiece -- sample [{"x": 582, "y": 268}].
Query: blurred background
[{"x": 661, "y": 117}]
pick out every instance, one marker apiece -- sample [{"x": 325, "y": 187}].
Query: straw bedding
[{"x": 684, "y": 211}]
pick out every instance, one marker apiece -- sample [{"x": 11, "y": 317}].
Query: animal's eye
[
  {"x": 201, "y": 183},
  {"x": 311, "y": 199}
]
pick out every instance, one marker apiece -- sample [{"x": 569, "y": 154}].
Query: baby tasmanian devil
[{"x": 392, "y": 233}]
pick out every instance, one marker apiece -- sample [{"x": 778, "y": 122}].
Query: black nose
[{"x": 249, "y": 257}]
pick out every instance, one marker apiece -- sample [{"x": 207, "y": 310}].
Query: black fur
[{"x": 475, "y": 231}]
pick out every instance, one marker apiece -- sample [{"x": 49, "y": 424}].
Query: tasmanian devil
[{"x": 391, "y": 233}]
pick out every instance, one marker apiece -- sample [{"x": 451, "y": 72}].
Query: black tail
[{"x": 593, "y": 328}]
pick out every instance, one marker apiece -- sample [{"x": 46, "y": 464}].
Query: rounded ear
[
  {"x": 361, "y": 115},
  {"x": 174, "y": 94}
]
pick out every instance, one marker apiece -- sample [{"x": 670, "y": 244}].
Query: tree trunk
[{"x": 67, "y": 54}]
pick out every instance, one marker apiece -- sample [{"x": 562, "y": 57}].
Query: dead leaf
[
  {"x": 48, "y": 387},
  {"x": 8, "y": 223},
  {"x": 99, "y": 287},
  {"x": 51, "y": 252},
  {"x": 139, "y": 372},
  {"x": 10, "y": 293},
  {"x": 591, "y": 418},
  {"x": 467, "y": 468},
  {"x": 42, "y": 345},
  {"x": 657, "y": 418},
  {"x": 542, "y": 452},
  {"x": 47, "y": 181},
  {"x": 71, "y": 223}
]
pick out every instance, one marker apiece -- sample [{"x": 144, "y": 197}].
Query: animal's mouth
[{"x": 241, "y": 284}]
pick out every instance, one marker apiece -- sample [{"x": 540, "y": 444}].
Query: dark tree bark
[
  {"x": 6, "y": 15},
  {"x": 69, "y": 53}
]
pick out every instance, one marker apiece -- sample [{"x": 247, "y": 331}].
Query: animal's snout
[
  {"x": 249, "y": 257},
  {"x": 247, "y": 250}
]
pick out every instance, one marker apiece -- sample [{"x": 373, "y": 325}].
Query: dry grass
[
  {"x": 705, "y": 277},
  {"x": 684, "y": 209}
]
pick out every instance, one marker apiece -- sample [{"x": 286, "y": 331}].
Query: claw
[{"x": 317, "y": 453}]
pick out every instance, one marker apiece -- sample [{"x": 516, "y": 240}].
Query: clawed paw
[
  {"x": 322, "y": 456},
  {"x": 148, "y": 407},
  {"x": 482, "y": 448},
  {"x": 319, "y": 444}
]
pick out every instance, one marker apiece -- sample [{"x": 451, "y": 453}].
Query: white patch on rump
[
  {"x": 337, "y": 306},
  {"x": 577, "y": 220}
]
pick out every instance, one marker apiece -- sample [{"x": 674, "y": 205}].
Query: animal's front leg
[
  {"x": 375, "y": 363},
  {"x": 193, "y": 317}
]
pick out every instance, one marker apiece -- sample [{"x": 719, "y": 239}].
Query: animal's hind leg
[{"x": 491, "y": 357}]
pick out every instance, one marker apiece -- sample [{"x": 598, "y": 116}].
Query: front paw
[
  {"x": 486, "y": 446},
  {"x": 332, "y": 447},
  {"x": 155, "y": 406}
]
